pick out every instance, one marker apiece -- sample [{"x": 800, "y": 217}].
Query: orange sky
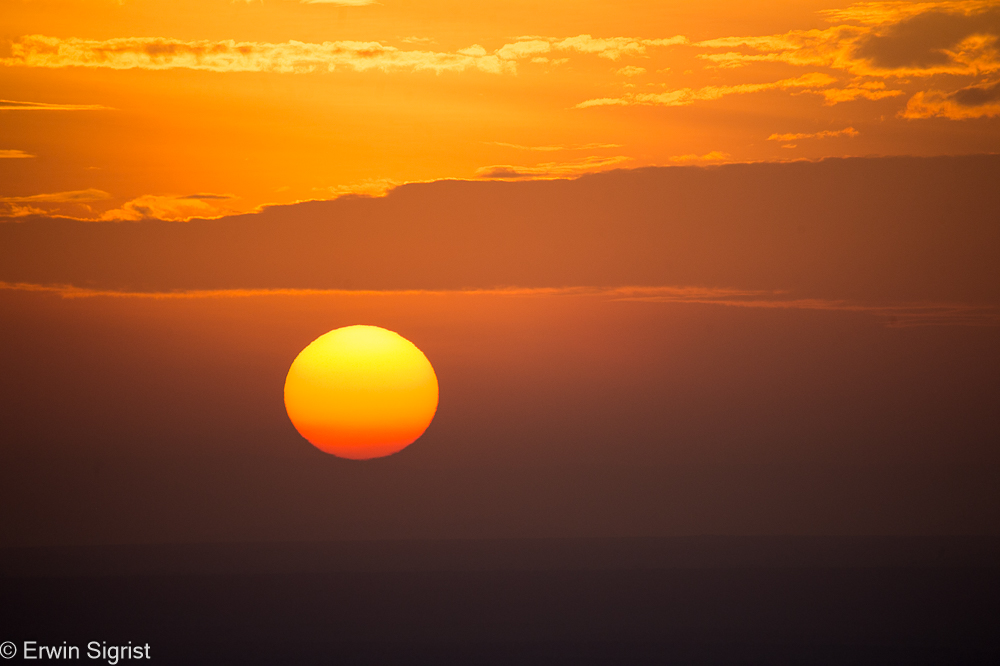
[{"x": 126, "y": 109}]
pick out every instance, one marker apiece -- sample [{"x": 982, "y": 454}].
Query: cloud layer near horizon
[{"x": 854, "y": 230}]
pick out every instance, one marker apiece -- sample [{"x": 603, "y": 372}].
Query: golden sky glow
[
  {"x": 361, "y": 392},
  {"x": 174, "y": 109}
]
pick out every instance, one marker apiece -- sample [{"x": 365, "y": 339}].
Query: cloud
[
  {"x": 714, "y": 156},
  {"x": 11, "y": 105},
  {"x": 75, "y": 196},
  {"x": 342, "y": 3},
  {"x": 232, "y": 56},
  {"x": 21, "y": 206},
  {"x": 614, "y": 48},
  {"x": 208, "y": 197},
  {"x": 475, "y": 51},
  {"x": 523, "y": 49},
  {"x": 682, "y": 293},
  {"x": 173, "y": 208},
  {"x": 894, "y": 39},
  {"x": 370, "y": 187},
  {"x": 686, "y": 96},
  {"x": 13, "y": 154},
  {"x": 979, "y": 95},
  {"x": 977, "y": 101},
  {"x": 872, "y": 90},
  {"x": 807, "y": 48},
  {"x": 891, "y": 40},
  {"x": 880, "y": 13},
  {"x": 825, "y": 134},
  {"x": 630, "y": 70},
  {"x": 517, "y": 146},
  {"x": 935, "y": 41},
  {"x": 300, "y": 57},
  {"x": 551, "y": 170},
  {"x": 15, "y": 210},
  {"x": 586, "y": 146},
  {"x": 893, "y": 315}
]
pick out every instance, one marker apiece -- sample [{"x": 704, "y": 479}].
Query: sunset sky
[
  {"x": 578, "y": 329},
  {"x": 520, "y": 331},
  {"x": 172, "y": 109},
  {"x": 679, "y": 268}
]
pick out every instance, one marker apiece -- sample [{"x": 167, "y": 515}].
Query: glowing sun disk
[{"x": 361, "y": 392}]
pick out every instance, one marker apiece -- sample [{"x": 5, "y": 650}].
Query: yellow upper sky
[{"x": 127, "y": 109}]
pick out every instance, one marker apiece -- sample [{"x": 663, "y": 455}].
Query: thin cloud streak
[
  {"x": 13, "y": 105},
  {"x": 370, "y": 187},
  {"x": 895, "y": 315},
  {"x": 74, "y": 196},
  {"x": 825, "y": 134},
  {"x": 685, "y": 96},
  {"x": 696, "y": 294},
  {"x": 614, "y": 48},
  {"x": 341, "y": 3},
  {"x": 714, "y": 156},
  {"x": 586, "y": 146},
  {"x": 549, "y": 170},
  {"x": 170, "y": 207}
]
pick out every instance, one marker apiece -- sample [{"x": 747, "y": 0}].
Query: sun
[{"x": 361, "y": 392}]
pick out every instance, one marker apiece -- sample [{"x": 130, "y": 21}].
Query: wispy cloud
[
  {"x": 892, "y": 315},
  {"x": 882, "y": 13},
  {"x": 299, "y": 57},
  {"x": 233, "y": 56},
  {"x": 550, "y": 169},
  {"x": 894, "y": 39},
  {"x": 585, "y": 146},
  {"x": 12, "y": 105},
  {"x": 714, "y": 156},
  {"x": 171, "y": 207},
  {"x": 614, "y": 48},
  {"x": 876, "y": 42},
  {"x": 342, "y": 3},
  {"x": 16, "y": 210},
  {"x": 872, "y": 90},
  {"x": 75, "y": 196},
  {"x": 370, "y": 187},
  {"x": 14, "y": 154},
  {"x": 825, "y": 134},
  {"x": 631, "y": 70},
  {"x": 523, "y": 49},
  {"x": 22, "y": 206},
  {"x": 686, "y": 96},
  {"x": 977, "y": 101}
]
